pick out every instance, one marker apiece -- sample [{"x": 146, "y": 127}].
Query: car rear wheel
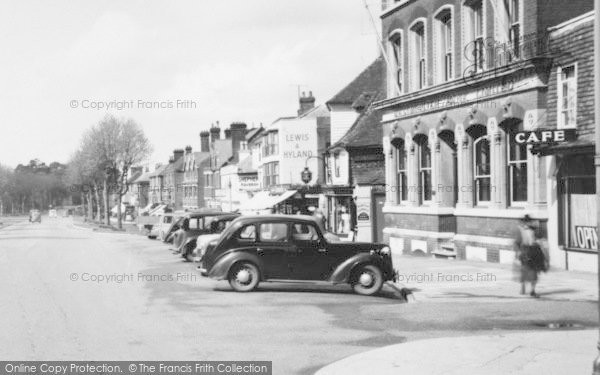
[
  {"x": 367, "y": 280},
  {"x": 244, "y": 277}
]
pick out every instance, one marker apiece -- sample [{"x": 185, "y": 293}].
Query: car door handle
[
  {"x": 322, "y": 251},
  {"x": 260, "y": 251}
]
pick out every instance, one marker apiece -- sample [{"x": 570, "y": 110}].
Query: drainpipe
[{"x": 597, "y": 137}]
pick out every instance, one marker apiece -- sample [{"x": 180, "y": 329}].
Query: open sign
[
  {"x": 585, "y": 238},
  {"x": 545, "y": 136}
]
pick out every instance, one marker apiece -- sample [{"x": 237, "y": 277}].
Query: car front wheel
[
  {"x": 367, "y": 280},
  {"x": 244, "y": 277}
]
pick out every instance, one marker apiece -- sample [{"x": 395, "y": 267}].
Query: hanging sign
[{"x": 544, "y": 136}]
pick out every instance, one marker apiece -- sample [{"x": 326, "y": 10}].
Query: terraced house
[{"x": 466, "y": 80}]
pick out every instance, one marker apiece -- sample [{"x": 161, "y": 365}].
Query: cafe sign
[{"x": 544, "y": 136}]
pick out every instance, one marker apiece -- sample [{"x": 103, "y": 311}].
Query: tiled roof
[
  {"x": 224, "y": 151},
  {"x": 371, "y": 79},
  {"x": 251, "y": 133},
  {"x": 200, "y": 157},
  {"x": 160, "y": 171},
  {"x": 134, "y": 177},
  {"x": 366, "y": 130},
  {"x": 318, "y": 111}
]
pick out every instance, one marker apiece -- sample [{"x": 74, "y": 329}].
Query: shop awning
[
  {"x": 578, "y": 146},
  {"x": 263, "y": 200}
]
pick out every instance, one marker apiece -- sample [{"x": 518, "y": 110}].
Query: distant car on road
[
  {"x": 35, "y": 215},
  {"x": 293, "y": 247},
  {"x": 52, "y": 214},
  {"x": 163, "y": 223},
  {"x": 195, "y": 247}
]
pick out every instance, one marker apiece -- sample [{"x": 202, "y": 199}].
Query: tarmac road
[{"x": 73, "y": 294}]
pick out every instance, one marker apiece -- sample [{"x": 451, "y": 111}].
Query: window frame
[
  {"x": 476, "y": 176},
  {"x": 512, "y": 164},
  {"x": 472, "y": 34},
  {"x": 401, "y": 183},
  {"x": 445, "y": 71},
  {"x": 560, "y": 96},
  {"x": 418, "y": 68},
  {"x": 263, "y": 240},
  {"x": 423, "y": 171},
  {"x": 396, "y": 40}
]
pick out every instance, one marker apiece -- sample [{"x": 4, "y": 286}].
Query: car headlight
[{"x": 385, "y": 250}]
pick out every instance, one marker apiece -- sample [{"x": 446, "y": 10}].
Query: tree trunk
[
  {"x": 119, "y": 213},
  {"x": 106, "y": 204},
  {"x": 90, "y": 205},
  {"x": 98, "y": 203}
]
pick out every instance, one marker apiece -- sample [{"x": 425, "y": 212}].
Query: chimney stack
[
  {"x": 177, "y": 153},
  {"x": 215, "y": 133},
  {"x": 188, "y": 149},
  {"x": 227, "y": 133},
  {"x": 205, "y": 141},
  {"x": 238, "y": 135},
  {"x": 306, "y": 103}
]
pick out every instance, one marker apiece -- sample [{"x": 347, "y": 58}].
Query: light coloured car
[{"x": 52, "y": 214}]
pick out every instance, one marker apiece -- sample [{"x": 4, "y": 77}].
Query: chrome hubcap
[
  {"x": 366, "y": 279},
  {"x": 243, "y": 276}
]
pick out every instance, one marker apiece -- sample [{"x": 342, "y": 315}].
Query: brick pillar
[
  {"x": 499, "y": 163},
  {"x": 465, "y": 170},
  {"x": 389, "y": 177},
  {"x": 412, "y": 171},
  {"x": 436, "y": 173}
]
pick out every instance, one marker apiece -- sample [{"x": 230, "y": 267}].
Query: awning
[
  {"x": 578, "y": 146},
  {"x": 263, "y": 200}
]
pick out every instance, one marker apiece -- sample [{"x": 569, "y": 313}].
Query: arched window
[
  {"x": 444, "y": 50},
  {"x": 425, "y": 171},
  {"x": 419, "y": 56},
  {"x": 482, "y": 170},
  {"x": 474, "y": 34},
  {"x": 396, "y": 60},
  {"x": 401, "y": 174}
]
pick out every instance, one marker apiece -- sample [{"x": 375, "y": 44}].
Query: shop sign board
[
  {"x": 544, "y": 136},
  {"x": 585, "y": 238}
]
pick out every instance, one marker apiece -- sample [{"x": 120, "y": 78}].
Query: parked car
[
  {"x": 52, "y": 214},
  {"x": 293, "y": 247},
  {"x": 35, "y": 215},
  {"x": 163, "y": 224},
  {"x": 195, "y": 224},
  {"x": 198, "y": 244}
]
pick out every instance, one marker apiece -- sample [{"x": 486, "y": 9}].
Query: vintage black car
[{"x": 293, "y": 247}]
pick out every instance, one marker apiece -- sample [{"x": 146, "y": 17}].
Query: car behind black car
[{"x": 284, "y": 247}]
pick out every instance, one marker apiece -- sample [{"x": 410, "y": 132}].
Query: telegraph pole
[{"x": 596, "y": 84}]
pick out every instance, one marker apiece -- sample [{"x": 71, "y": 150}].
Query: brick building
[
  {"x": 193, "y": 174},
  {"x": 464, "y": 79},
  {"x": 355, "y": 160},
  {"x": 173, "y": 181},
  {"x": 572, "y": 205}
]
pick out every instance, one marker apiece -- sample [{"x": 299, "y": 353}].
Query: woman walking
[{"x": 530, "y": 255}]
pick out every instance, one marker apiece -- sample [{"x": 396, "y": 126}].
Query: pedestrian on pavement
[{"x": 530, "y": 254}]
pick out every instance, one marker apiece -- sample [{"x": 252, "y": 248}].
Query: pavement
[
  {"x": 435, "y": 279},
  {"x": 566, "y": 348},
  {"x": 560, "y": 353}
]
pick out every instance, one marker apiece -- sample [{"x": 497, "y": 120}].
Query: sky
[{"x": 201, "y": 61}]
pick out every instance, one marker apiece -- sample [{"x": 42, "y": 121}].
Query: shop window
[
  {"x": 482, "y": 174},
  {"x": 341, "y": 213},
  {"x": 419, "y": 53},
  {"x": 336, "y": 164},
  {"x": 396, "y": 59},
  {"x": 517, "y": 172},
  {"x": 401, "y": 175},
  {"x": 474, "y": 34},
  {"x": 567, "y": 96},
  {"x": 444, "y": 55},
  {"x": 425, "y": 171}
]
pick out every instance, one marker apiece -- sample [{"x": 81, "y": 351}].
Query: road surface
[{"x": 70, "y": 293}]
